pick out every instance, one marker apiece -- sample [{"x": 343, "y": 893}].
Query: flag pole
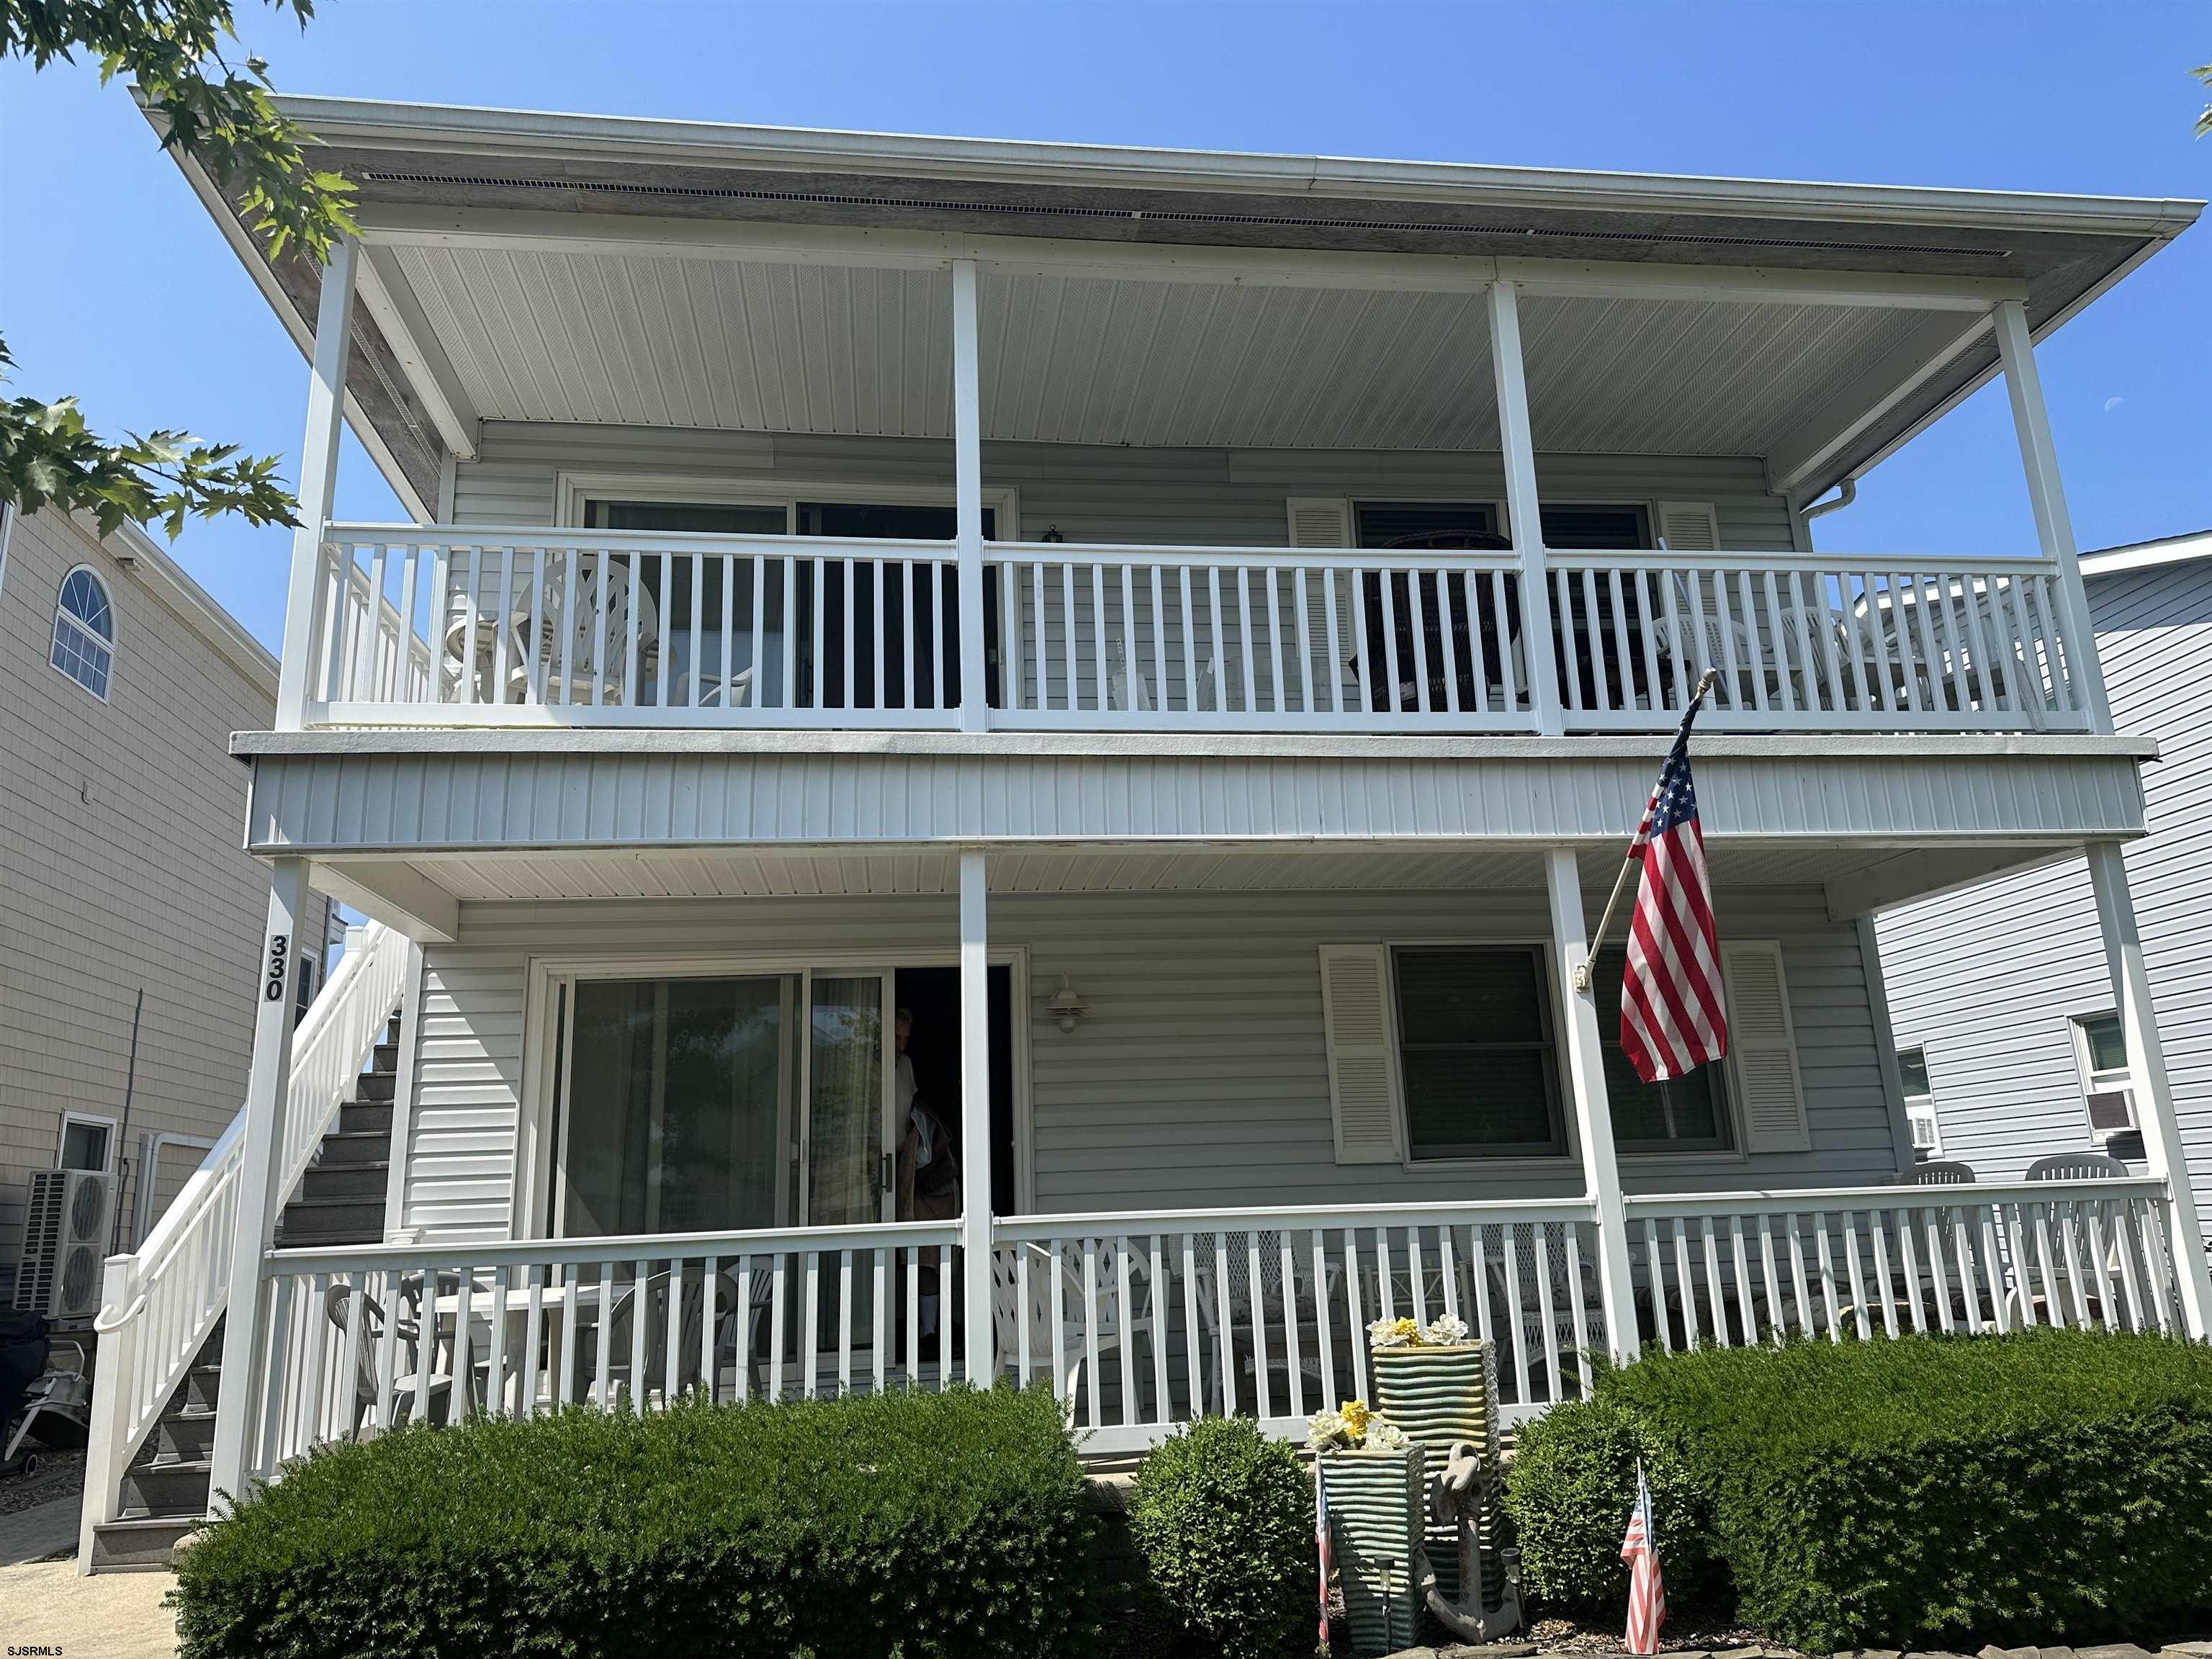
[{"x": 1583, "y": 969}]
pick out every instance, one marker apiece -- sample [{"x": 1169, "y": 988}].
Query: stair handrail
[{"x": 159, "y": 1303}]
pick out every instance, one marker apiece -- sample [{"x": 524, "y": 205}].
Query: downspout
[{"x": 1846, "y": 493}]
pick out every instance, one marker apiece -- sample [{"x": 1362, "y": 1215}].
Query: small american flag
[
  {"x": 1321, "y": 1547},
  {"x": 1647, "y": 1596},
  {"x": 1673, "y": 1017}
]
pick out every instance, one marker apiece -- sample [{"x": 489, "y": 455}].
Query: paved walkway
[{"x": 43, "y": 1604}]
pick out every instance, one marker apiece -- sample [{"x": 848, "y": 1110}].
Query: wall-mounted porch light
[{"x": 1067, "y": 1007}]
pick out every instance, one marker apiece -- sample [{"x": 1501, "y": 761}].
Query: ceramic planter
[{"x": 1375, "y": 1513}]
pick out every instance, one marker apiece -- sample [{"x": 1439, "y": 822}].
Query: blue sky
[{"x": 114, "y": 285}]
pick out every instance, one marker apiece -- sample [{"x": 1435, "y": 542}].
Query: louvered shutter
[
  {"x": 1763, "y": 1049},
  {"x": 1689, "y": 527},
  {"x": 1363, "y": 1072},
  {"x": 1326, "y": 521}
]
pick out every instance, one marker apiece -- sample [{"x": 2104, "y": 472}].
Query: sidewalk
[{"x": 44, "y": 1604}]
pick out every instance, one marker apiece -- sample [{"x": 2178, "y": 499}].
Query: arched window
[{"x": 84, "y": 631}]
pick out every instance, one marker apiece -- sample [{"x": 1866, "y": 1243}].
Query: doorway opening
[{"x": 932, "y": 996}]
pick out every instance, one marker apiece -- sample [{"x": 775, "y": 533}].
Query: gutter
[{"x": 464, "y": 129}]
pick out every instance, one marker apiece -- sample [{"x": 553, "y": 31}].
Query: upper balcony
[{"x": 717, "y": 428}]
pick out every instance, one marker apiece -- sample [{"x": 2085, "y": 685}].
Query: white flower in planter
[
  {"x": 1394, "y": 1333},
  {"x": 1385, "y": 1435},
  {"x": 1326, "y": 1430},
  {"x": 1447, "y": 1332}
]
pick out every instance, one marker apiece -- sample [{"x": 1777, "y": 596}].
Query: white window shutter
[
  {"x": 1763, "y": 1049},
  {"x": 1326, "y": 521},
  {"x": 1363, "y": 1072},
  {"x": 1689, "y": 527}
]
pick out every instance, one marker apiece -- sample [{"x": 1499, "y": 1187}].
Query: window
[
  {"x": 2100, "y": 1052},
  {"x": 84, "y": 632},
  {"x": 1478, "y": 1054},
  {"x": 1919, "y": 1101},
  {"x": 85, "y": 1142},
  {"x": 1685, "y": 1115}
]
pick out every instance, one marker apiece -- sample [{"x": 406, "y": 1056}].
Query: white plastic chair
[
  {"x": 1938, "y": 1172},
  {"x": 1075, "y": 1336}
]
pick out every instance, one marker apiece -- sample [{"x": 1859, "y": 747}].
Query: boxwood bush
[
  {"x": 1223, "y": 1518},
  {"x": 910, "y": 1524},
  {"x": 1923, "y": 1492}
]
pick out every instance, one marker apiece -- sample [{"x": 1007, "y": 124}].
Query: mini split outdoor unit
[{"x": 66, "y": 1236}]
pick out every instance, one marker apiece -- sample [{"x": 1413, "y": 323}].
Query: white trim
[
  {"x": 7, "y": 516},
  {"x": 536, "y": 1163},
  {"x": 99, "y": 1120},
  {"x": 2148, "y": 556}
]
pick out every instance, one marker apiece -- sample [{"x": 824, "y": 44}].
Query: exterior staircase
[{"x": 340, "y": 1201}]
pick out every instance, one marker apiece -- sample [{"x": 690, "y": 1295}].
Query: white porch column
[
  {"x": 267, "y": 1083},
  {"x": 1518, "y": 447},
  {"x": 967, "y": 487},
  {"x": 975, "y": 1117},
  {"x": 2162, "y": 1148},
  {"x": 2054, "y": 528},
  {"x": 1593, "y": 1110},
  {"x": 318, "y": 472}
]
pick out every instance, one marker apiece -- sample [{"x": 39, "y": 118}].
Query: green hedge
[
  {"x": 1222, "y": 1517},
  {"x": 909, "y": 1525},
  {"x": 1923, "y": 1492}
]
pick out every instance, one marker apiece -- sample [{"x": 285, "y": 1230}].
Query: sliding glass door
[
  {"x": 847, "y": 1135},
  {"x": 716, "y": 1104}
]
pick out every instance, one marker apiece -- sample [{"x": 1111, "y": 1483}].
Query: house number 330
[{"x": 279, "y": 946}]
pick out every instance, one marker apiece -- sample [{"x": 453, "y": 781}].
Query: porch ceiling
[
  {"x": 625, "y": 337},
  {"x": 726, "y": 873}
]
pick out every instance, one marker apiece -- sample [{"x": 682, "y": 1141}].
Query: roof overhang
[{"x": 475, "y": 177}]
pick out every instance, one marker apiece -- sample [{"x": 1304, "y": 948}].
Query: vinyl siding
[
  {"x": 1197, "y": 1078},
  {"x": 121, "y": 866},
  {"x": 1197, "y": 497},
  {"x": 1988, "y": 979}
]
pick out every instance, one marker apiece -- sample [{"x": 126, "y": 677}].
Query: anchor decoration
[{"x": 1459, "y": 1494}]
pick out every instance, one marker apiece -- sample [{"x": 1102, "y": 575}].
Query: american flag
[
  {"x": 1672, "y": 1017},
  {"x": 1321, "y": 1547},
  {"x": 1647, "y": 1596}
]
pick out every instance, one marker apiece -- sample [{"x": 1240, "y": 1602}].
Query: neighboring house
[
  {"x": 120, "y": 870},
  {"x": 2003, "y": 1007},
  {"x": 1195, "y": 631}
]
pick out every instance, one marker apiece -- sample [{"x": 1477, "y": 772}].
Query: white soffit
[{"x": 616, "y": 338}]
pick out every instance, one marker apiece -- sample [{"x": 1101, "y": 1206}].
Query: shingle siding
[
  {"x": 1198, "y": 1076},
  {"x": 121, "y": 866},
  {"x": 1989, "y": 979}
]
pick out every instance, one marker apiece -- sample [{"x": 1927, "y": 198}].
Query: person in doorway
[{"x": 928, "y": 1169}]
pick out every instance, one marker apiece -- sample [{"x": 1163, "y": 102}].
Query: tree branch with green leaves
[{"x": 172, "y": 52}]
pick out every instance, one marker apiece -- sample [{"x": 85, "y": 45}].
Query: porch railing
[
  {"x": 361, "y": 1339},
  {"x": 487, "y": 627},
  {"x": 1735, "y": 1268},
  {"x": 160, "y": 1304}
]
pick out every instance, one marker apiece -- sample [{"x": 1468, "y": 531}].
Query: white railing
[
  {"x": 363, "y": 1339},
  {"x": 539, "y": 627},
  {"x": 1733, "y": 1268},
  {"x": 1258, "y": 639},
  {"x": 1141, "y": 1321},
  {"x": 158, "y": 1306},
  {"x": 1812, "y": 642}
]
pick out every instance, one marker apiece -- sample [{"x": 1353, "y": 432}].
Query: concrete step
[
  {"x": 342, "y": 1149},
  {"x": 139, "y": 1543},
  {"x": 345, "y": 1180},
  {"x": 318, "y": 1221},
  {"x": 167, "y": 1486},
  {"x": 376, "y": 1086},
  {"x": 183, "y": 1435},
  {"x": 364, "y": 1116}
]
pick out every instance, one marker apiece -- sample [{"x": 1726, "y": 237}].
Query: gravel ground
[{"x": 61, "y": 1474}]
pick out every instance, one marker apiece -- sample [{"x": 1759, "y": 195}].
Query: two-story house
[
  {"x": 998, "y": 759},
  {"x": 130, "y": 915}
]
